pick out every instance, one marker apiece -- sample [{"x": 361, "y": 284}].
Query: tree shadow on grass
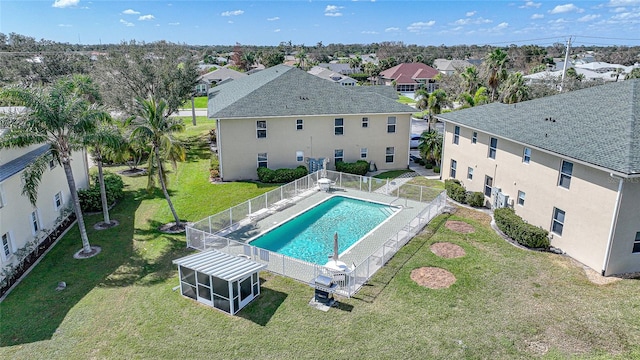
[
  {"x": 197, "y": 147},
  {"x": 262, "y": 308}
]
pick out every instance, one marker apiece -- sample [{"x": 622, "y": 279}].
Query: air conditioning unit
[
  {"x": 503, "y": 200},
  {"x": 495, "y": 191}
]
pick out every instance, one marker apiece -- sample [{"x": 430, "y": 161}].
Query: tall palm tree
[
  {"x": 152, "y": 126},
  {"x": 60, "y": 118},
  {"x": 634, "y": 74},
  {"x": 303, "y": 59},
  {"x": 514, "y": 89},
  {"x": 496, "y": 62},
  {"x": 422, "y": 99},
  {"x": 372, "y": 71},
  {"x": 470, "y": 79},
  {"x": 355, "y": 62},
  {"x": 430, "y": 146},
  {"x": 479, "y": 98}
]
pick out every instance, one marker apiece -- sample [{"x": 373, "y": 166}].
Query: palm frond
[{"x": 32, "y": 176}]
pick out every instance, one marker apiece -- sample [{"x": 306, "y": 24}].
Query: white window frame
[
  {"x": 469, "y": 173},
  {"x": 526, "y": 155},
  {"x": 454, "y": 167},
  {"x": 636, "y": 243},
  {"x": 488, "y": 187},
  {"x": 474, "y": 138},
  {"x": 263, "y": 158},
  {"x": 338, "y": 126},
  {"x": 364, "y": 152},
  {"x": 365, "y": 122},
  {"x": 34, "y": 220},
  {"x": 299, "y": 124},
  {"x": 7, "y": 246},
  {"x": 456, "y": 134},
  {"x": 521, "y": 197},
  {"x": 52, "y": 163},
  {"x": 390, "y": 154},
  {"x": 55, "y": 200},
  {"x": 564, "y": 177},
  {"x": 299, "y": 156},
  {"x": 391, "y": 124},
  {"x": 493, "y": 149},
  {"x": 261, "y": 129},
  {"x": 338, "y": 155},
  {"x": 555, "y": 220}
]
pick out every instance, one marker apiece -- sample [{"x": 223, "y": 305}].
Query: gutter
[
  {"x": 219, "y": 146},
  {"x": 614, "y": 221}
]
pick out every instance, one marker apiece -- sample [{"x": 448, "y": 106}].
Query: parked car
[{"x": 415, "y": 141}]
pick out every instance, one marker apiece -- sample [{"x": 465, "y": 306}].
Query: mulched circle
[
  {"x": 447, "y": 250},
  {"x": 95, "y": 250},
  {"x": 133, "y": 172},
  {"x": 459, "y": 226},
  {"x": 103, "y": 226},
  {"x": 172, "y": 228},
  {"x": 433, "y": 277}
]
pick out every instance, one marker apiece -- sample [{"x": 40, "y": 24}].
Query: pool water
[{"x": 309, "y": 236}]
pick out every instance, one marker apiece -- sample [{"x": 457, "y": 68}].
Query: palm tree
[
  {"x": 152, "y": 126},
  {"x": 496, "y": 62},
  {"x": 422, "y": 99},
  {"x": 437, "y": 101},
  {"x": 616, "y": 74},
  {"x": 634, "y": 74},
  {"x": 355, "y": 62},
  {"x": 430, "y": 146},
  {"x": 470, "y": 79},
  {"x": 372, "y": 71},
  {"x": 302, "y": 59},
  {"x": 59, "y": 117},
  {"x": 479, "y": 98},
  {"x": 514, "y": 89}
]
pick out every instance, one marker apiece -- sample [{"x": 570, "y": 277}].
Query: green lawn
[
  {"x": 507, "y": 303},
  {"x": 391, "y": 174},
  {"x": 200, "y": 102},
  {"x": 406, "y": 100}
]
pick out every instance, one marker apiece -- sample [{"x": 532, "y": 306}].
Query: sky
[{"x": 421, "y": 22}]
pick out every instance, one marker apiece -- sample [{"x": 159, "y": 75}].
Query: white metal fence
[{"x": 210, "y": 232}]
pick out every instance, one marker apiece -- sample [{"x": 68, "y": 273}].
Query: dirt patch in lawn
[
  {"x": 459, "y": 226},
  {"x": 433, "y": 277},
  {"x": 477, "y": 215},
  {"x": 447, "y": 250}
]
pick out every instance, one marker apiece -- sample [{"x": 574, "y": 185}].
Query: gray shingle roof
[
  {"x": 18, "y": 164},
  {"x": 599, "y": 125},
  {"x": 285, "y": 91}
]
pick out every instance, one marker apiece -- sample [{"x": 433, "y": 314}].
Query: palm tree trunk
[
  {"x": 164, "y": 186},
  {"x": 86, "y": 247},
  {"x": 193, "y": 111},
  {"x": 103, "y": 190}
]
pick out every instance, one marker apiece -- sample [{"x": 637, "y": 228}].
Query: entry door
[
  {"x": 204, "y": 288},
  {"x": 245, "y": 290}
]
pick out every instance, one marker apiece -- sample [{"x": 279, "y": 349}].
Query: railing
[{"x": 210, "y": 232}]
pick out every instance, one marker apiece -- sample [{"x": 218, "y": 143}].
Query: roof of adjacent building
[
  {"x": 221, "y": 74},
  {"x": 451, "y": 65},
  {"x": 286, "y": 91},
  {"x": 20, "y": 163},
  {"x": 220, "y": 265},
  {"x": 408, "y": 73},
  {"x": 598, "y": 125},
  {"x": 330, "y": 75}
]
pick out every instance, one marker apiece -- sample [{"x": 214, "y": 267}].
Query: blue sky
[{"x": 426, "y": 22}]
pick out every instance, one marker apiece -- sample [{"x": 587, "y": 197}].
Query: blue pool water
[{"x": 309, "y": 236}]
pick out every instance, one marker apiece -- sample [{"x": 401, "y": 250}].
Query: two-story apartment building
[
  {"x": 20, "y": 221},
  {"x": 283, "y": 117},
  {"x": 569, "y": 163}
]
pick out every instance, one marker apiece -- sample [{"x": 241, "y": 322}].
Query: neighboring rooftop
[
  {"x": 598, "y": 125},
  {"x": 286, "y": 91},
  {"x": 410, "y": 73},
  {"x": 450, "y": 66},
  {"x": 221, "y": 74}
]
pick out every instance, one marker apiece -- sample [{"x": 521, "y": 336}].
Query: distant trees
[{"x": 496, "y": 66}]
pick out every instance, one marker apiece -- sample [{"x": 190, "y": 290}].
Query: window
[
  {"x": 391, "y": 124},
  {"x": 470, "y": 173},
  {"x": 474, "y": 138},
  {"x": 338, "y": 155},
  {"x": 558, "y": 221},
  {"x": 526, "y": 155},
  {"x": 493, "y": 146},
  {"x": 454, "y": 165},
  {"x": 636, "y": 243},
  {"x": 299, "y": 156},
  {"x": 521, "y": 195},
  {"x": 35, "y": 224},
  {"x": 52, "y": 164},
  {"x": 299, "y": 124},
  {"x": 7, "y": 251},
  {"x": 391, "y": 151},
  {"x": 365, "y": 122},
  {"x": 565, "y": 174},
  {"x": 57, "y": 200},
  {"x": 363, "y": 153},
  {"x": 262, "y": 160},
  {"x": 339, "y": 126},
  {"x": 488, "y": 184},
  {"x": 261, "y": 129},
  {"x": 456, "y": 134}
]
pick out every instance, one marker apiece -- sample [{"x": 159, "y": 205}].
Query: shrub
[
  {"x": 455, "y": 190},
  {"x": 359, "y": 167},
  {"x": 514, "y": 227},
  {"x": 475, "y": 199},
  {"x": 428, "y": 165},
  {"x": 90, "y": 200},
  {"x": 267, "y": 175},
  {"x": 436, "y": 169}
]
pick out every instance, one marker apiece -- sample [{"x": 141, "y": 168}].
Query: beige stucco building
[
  {"x": 569, "y": 163},
  {"x": 283, "y": 117},
  {"x": 20, "y": 221}
]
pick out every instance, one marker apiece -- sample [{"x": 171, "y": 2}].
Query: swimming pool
[{"x": 309, "y": 236}]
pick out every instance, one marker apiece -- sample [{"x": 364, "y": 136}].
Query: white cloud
[
  {"x": 588, "y": 18},
  {"x": 530, "y": 4},
  {"x": 65, "y": 3},
  {"x": 146, "y": 17},
  {"x": 333, "y": 10},
  {"x": 174, "y": 24},
  {"x": 558, "y": 21},
  {"x": 626, "y": 16},
  {"x": 65, "y": 25},
  {"x": 561, "y": 9},
  {"x": 392, "y": 29},
  {"x": 276, "y": 30},
  {"x": 623, "y": 2},
  {"x": 369, "y": 32},
  {"x": 131, "y": 12},
  {"x": 537, "y": 16},
  {"x": 619, "y": 10},
  {"x": 273, "y": 19},
  {"x": 233, "y": 13},
  {"x": 502, "y": 25},
  {"x": 418, "y": 27},
  {"x": 126, "y": 23},
  {"x": 230, "y": 22},
  {"x": 477, "y": 21},
  {"x": 470, "y": 13}
]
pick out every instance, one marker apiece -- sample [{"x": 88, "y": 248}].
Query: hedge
[
  {"x": 90, "y": 200},
  {"x": 455, "y": 190},
  {"x": 359, "y": 167},
  {"x": 267, "y": 175},
  {"x": 475, "y": 198},
  {"x": 514, "y": 227}
]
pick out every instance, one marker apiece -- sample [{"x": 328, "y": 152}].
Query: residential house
[
  {"x": 449, "y": 67},
  {"x": 409, "y": 77},
  {"x": 209, "y": 80},
  {"x": 335, "y": 77},
  {"x": 340, "y": 68},
  {"x": 20, "y": 221},
  {"x": 565, "y": 163},
  {"x": 283, "y": 117}
]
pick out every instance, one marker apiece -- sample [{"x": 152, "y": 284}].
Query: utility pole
[{"x": 566, "y": 60}]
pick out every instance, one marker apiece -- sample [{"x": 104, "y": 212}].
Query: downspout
[
  {"x": 614, "y": 220},
  {"x": 219, "y": 146},
  {"x": 444, "y": 143}
]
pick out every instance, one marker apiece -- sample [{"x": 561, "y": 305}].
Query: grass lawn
[
  {"x": 507, "y": 303},
  {"x": 200, "y": 102},
  {"x": 391, "y": 174},
  {"x": 405, "y": 100}
]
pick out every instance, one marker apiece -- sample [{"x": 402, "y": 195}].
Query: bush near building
[
  {"x": 523, "y": 233},
  {"x": 90, "y": 200},
  {"x": 359, "y": 167},
  {"x": 267, "y": 175}
]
